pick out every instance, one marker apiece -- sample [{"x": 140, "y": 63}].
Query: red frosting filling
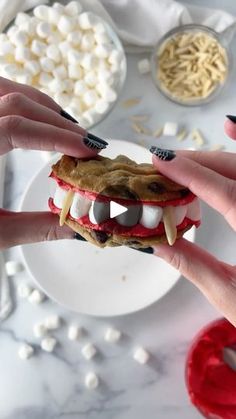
[
  {"x": 93, "y": 195},
  {"x": 111, "y": 226},
  {"x": 211, "y": 382}
]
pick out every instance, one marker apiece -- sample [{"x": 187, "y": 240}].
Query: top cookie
[{"x": 116, "y": 178}]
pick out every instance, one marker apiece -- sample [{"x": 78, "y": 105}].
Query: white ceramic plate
[{"x": 86, "y": 279}]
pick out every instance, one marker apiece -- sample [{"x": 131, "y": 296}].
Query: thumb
[
  {"x": 215, "y": 279},
  {"x": 30, "y": 227}
]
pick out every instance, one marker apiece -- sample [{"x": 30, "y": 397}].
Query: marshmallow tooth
[
  {"x": 80, "y": 206},
  {"x": 151, "y": 216},
  {"x": 180, "y": 213},
  {"x": 59, "y": 197},
  {"x": 194, "y": 210}
]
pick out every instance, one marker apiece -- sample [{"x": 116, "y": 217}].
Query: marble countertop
[{"x": 51, "y": 386}]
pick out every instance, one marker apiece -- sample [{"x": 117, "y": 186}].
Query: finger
[
  {"x": 215, "y": 279},
  {"x": 19, "y": 132},
  {"x": 30, "y": 227},
  {"x": 230, "y": 129},
  {"x": 19, "y": 104},
  {"x": 216, "y": 190},
  {"x": 8, "y": 86},
  {"x": 221, "y": 162}
]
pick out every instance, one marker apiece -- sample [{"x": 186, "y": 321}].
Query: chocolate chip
[
  {"x": 184, "y": 192},
  {"x": 132, "y": 243},
  {"x": 100, "y": 236},
  {"x": 157, "y": 187}
]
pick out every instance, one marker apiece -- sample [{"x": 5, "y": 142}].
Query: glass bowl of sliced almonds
[{"x": 191, "y": 64}]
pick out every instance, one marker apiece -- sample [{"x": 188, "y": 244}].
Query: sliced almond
[
  {"x": 182, "y": 135},
  {"x": 139, "y": 118},
  {"x": 157, "y": 133},
  {"x": 169, "y": 224},
  {"x": 130, "y": 102},
  {"x": 66, "y": 206}
]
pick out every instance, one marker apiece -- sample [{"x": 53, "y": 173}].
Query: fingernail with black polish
[
  {"x": 231, "y": 118},
  {"x": 94, "y": 137},
  {"x": 148, "y": 250},
  {"x": 162, "y": 153},
  {"x": 93, "y": 144},
  {"x": 68, "y": 116},
  {"x": 77, "y": 236}
]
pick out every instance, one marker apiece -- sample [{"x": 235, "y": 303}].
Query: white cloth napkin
[
  {"x": 137, "y": 22},
  {"x": 5, "y": 297}
]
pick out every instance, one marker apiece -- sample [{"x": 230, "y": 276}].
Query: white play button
[{"x": 116, "y": 209}]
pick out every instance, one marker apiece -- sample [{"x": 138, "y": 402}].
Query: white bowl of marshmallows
[{"x": 70, "y": 54}]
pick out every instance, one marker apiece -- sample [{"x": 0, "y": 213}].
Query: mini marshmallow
[
  {"x": 59, "y": 7},
  {"x": 75, "y": 71},
  {"x": 80, "y": 87},
  {"x": 91, "y": 380},
  {"x": 21, "y": 18},
  {"x": 36, "y": 297},
  {"x": 62, "y": 99},
  {"x": 6, "y": 48},
  {"x": 87, "y": 42},
  {"x": 88, "y": 61},
  {"x": 115, "y": 68},
  {"x": 68, "y": 85},
  {"x": 170, "y": 128},
  {"x": 86, "y": 20},
  {"x": 141, "y": 355},
  {"x": 74, "y": 332},
  {"x": 25, "y": 351},
  {"x": 55, "y": 38},
  {"x": 105, "y": 76},
  {"x": 41, "y": 12},
  {"x": 24, "y": 290},
  {"x": 66, "y": 24},
  {"x": 101, "y": 38},
  {"x": 90, "y": 78},
  {"x": 60, "y": 72},
  {"x": 74, "y": 57},
  {"x": 112, "y": 335},
  {"x": 90, "y": 97},
  {"x": 64, "y": 47},
  {"x": 45, "y": 79},
  {"x": 56, "y": 86},
  {"x": 91, "y": 117},
  {"x": 115, "y": 57},
  {"x": 24, "y": 78},
  {"x": 20, "y": 38},
  {"x": 52, "y": 322},
  {"x": 54, "y": 16},
  {"x": 3, "y": 37},
  {"x": 39, "y": 330},
  {"x": 102, "y": 50},
  {"x": 74, "y": 38},
  {"x": 99, "y": 27},
  {"x": 29, "y": 27},
  {"x": 76, "y": 106},
  {"x": 12, "y": 31},
  {"x": 47, "y": 64},
  {"x": 48, "y": 344},
  {"x": 73, "y": 8},
  {"x": 22, "y": 54},
  {"x": 13, "y": 267},
  {"x": 88, "y": 351},
  {"x": 101, "y": 106},
  {"x": 38, "y": 47},
  {"x": 43, "y": 30},
  {"x": 53, "y": 53},
  {"x": 107, "y": 93},
  {"x": 144, "y": 66}
]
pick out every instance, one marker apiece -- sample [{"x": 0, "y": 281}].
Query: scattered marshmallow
[
  {"x": 88, "y": 61},
  {"x": 36, "y": 297},
  {"x": 21, "y": 18},
  {"x": 74, "y": 332},
  {"x": 87, "y": 42},
  {"x": 56, "y": 86},
  {"x": 170, "y": 129},
  {"x": 74, "y": 38},
  {"x": 141, "y": 355},
  {"x": 48, "y": 344},
  {"x": 112, "y": 335},
  {"x": 10, "y": 71},
  {"x": 13, "y": 267},
  {"x": 32, "y": 67},
  {"x": 101, "y": 106},
  {"x": 38, "y": 47},
  {"x": 41, "y": 12},
  {"x": 24, "y": 290},
  {"x": 90, "y": 116},
  {"x": 52, "y": 322},
  {"x": 91, "y": 381},
  {"x": 144, "y": 66},
  {"x": 53, "y": 53},
  {"x": 6, "y": 47},
  {"x": 80, "y": 87},
  {"x": 90, "y": 78},
  {"x": 22, "y": 54},
  {"x": 68, "y": 85},
  {"x": 63, "y": 99},
  {"x": 39, "y": 330},
  {"x": 45, "y": 79},
  {"x": 60, "y": 72},
  {"x": 74, "y": 71},
  {"x": 89, "y": 351},
  {"x": 25, "y": 351},
  {"x": 43, "y": 30},
  {"x": 90, "y": 97},
  {"x": 24, "y": 78},
  {"x": 64, "y": 47},
  {"x": 20, "y": 38}
]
